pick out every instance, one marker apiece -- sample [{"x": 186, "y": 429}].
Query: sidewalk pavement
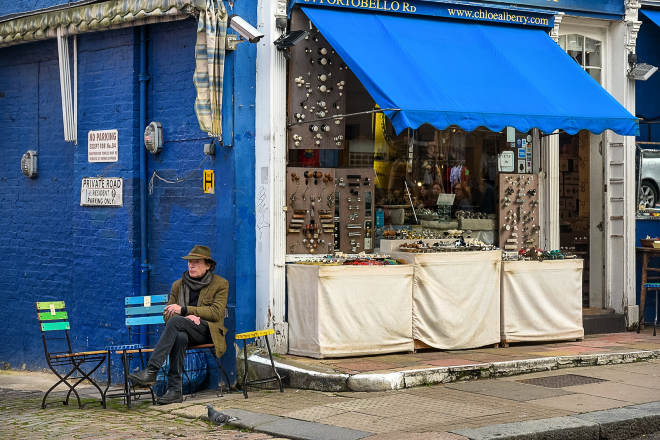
[
  {"x": 526, "y": 391},
  {"x": 426, "y": 367}
]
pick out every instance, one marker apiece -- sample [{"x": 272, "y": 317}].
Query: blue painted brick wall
[
  {"x": 90, "y": 256},
  {"x": 17, "y": 6},
  {"x": 648, "y": 92},
  {"x": 58, "y": 249},
  {"x": 36, "y": 214},
  {"x": 104, "y": 239}
]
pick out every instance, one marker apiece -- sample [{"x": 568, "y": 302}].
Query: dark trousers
[{"x": 179, "y": 334}]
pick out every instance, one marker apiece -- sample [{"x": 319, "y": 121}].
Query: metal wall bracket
[{"x": 232, "y": 41}]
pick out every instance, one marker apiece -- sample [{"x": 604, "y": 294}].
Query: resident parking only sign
[{"x": 101, "y": 191}]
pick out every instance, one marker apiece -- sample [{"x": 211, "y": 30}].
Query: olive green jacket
[{"x": 211, "y": 306}]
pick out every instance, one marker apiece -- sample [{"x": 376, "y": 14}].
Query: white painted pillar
[
  {"x": 549, "y": 177},
  {"x": 619, "y": 161},
  {"x": 549, "y": 202},
  {"x": 270, "y": 163}
]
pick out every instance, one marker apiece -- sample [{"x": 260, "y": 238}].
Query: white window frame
[{"x": 596, "y": 30}]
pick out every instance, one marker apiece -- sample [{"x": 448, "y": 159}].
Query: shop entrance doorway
[{"x": 581, "y": 209}]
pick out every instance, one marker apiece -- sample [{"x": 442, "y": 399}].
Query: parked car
[{"x": 649, "y": 181}]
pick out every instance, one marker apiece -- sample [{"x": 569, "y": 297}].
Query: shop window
[
  {"x": 587, "y": 52},
  {"x": 352, "y": 181}
]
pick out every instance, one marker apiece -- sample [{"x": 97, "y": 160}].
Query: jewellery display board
[
  {"x": 354, "y": 210},
  {"x": 518, "y": 211},
  {"x": 541, "y": 300},
  {"x": 456, "y": 298},
  {"x": 329, "y": 210},
  {"x": 349, "y": 310},
  {"x": 310, "y": 213},
  {"x": 317, "y": 77}
]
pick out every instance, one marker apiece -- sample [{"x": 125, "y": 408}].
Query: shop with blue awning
[{"x": 429, "y": 127}]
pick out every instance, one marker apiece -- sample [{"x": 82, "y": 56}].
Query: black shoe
[
  {"x": 144, "y": 378},
  {"x": 171, "y": 396}
]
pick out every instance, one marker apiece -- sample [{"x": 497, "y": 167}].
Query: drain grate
[{"x": 563, "y": 380}]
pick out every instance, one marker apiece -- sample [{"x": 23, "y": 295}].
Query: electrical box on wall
[
  {"x": 29, "y": 164},
  {"x": 153, "y": 137}
]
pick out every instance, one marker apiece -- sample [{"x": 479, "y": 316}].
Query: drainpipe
[{"x": 145, "y": 267}]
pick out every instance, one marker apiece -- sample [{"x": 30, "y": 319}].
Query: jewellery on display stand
[
  {"x": 340, "y": 259},
  {"x": 446, "y": 245},
  {"x": 534, "y": 254},
  {"x": 334, "y": 212},
  {"x": 317, "y": 78},
  {"x": 518, "y": 211}
]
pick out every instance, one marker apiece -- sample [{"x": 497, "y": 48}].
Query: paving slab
[
  {"x": 314, "y": 413},
  {"x": 302, "y": 430},
  {"x": 417, "y": 436},
  {"x": 579, "y": 403},
  {"x": 651, "y": 407},
  {"x": 250, "y": 419},
  {"x": 547, "y": 429},
  {"x": 508, "y": 390},
  {"x": 617, "y": 391},
  {"x": 623, "y": 423}
]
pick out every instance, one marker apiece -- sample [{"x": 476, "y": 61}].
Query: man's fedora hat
[{"x": 200, "y": 252}]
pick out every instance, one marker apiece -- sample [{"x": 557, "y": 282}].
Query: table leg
[
  {"x": 642, "y": 296},
  {"x": 655, "y": 320}
]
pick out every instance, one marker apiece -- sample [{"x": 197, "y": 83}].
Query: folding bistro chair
[
  {"x": 148, "y": 311},
  {"x": 67, "y": 364},
  {"x": 275, "y": 377},
  {"x": 141, "y": 312}
]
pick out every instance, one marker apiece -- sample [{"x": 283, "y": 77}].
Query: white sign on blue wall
[
  {"x": 102, "y": 191},
  {"x": 103, "y": 146}
]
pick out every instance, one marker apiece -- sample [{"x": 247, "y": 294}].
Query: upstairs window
[{"x": 586, "y": 51}]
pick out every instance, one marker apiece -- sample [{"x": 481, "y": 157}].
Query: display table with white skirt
[
  {"x": 456, "y": 298},
  {"x": 541, "y": 301},
  {"x": 349, "y": 310}
]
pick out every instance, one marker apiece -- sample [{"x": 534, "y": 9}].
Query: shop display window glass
[
  {"x": 350, "y": 174},
  {"x": 438, "y": 172}
]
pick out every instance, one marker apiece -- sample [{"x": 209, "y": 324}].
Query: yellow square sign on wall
[{"x": 208, "y": 181}]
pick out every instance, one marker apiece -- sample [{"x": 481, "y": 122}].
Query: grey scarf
[{"x": 188, "y": 283}]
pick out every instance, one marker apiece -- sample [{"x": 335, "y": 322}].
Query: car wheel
[{"x": 648, "y": 195}]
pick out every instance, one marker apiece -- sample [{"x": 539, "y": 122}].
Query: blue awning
[
  {"x": 653, "y": 15},
  {"x": 445, "y": 73}
]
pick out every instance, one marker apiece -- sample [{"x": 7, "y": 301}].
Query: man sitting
[{"x": 194, "y": 315}]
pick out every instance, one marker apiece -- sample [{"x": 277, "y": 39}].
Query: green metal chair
[{"x": 67, "y": 365}]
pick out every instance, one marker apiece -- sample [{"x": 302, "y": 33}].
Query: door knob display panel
[
  {"x": 316, "y": 88},
  {"x": 354, "y": 213},
  {"x": 329, "y": 210},
  {"x": 310, "y": 210},
  {"x": 518, "y": 211}
]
